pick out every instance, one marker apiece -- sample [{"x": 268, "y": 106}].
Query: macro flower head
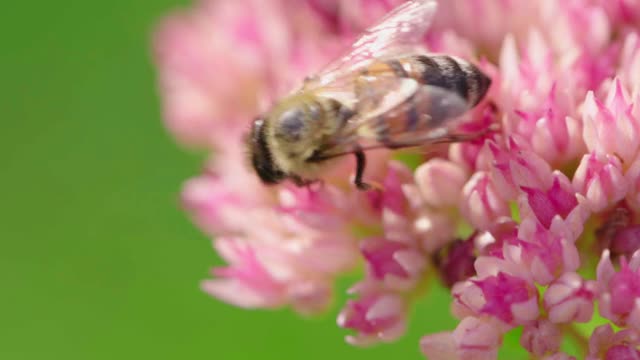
[{"x": 532, "y": 226}]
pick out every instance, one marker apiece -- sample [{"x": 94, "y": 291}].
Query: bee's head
[{"x": 261, "y": 156}]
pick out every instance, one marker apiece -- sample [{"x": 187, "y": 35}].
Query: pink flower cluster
[{"x": 547, "y": 197}]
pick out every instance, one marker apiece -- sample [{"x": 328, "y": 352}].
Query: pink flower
[
  {"x": 283, "y": 257},
  {"x": 214, "y": 207},
  {"x": 325, "y": 207},
  {"x": 375, "y": 316},
  {"x": 522, "y": 88},
  {"x": 474, "y": 338},
  {"x": 559, "y": 200},
  {"x": 618, "y": 233},
  {"x": 545, "y": 253},
  {"x": 559, "y": 356},
  {"x": 632, "y": 177},
  {"x": 398, "y": 265},
  {"x": 515, "y": 167},
  {"x": 611, "y": 127},
  {"x": 607, "y": 345},
  {"x": 487, "y": 22},
  {"x": 541, "y": 338},
  {"x": 510, "y": 299},
  {"x": 218, "y": 200},
  {"x": 455, "y": 262},
  {"x": 626, "y": 240},
  {"x": 252, "y": 42},
  {"x": 247, "y": 282},
  {"x": 536, "y": 254},
  {"x": 554, "y": 134},
  {"x": 629, "y": 68},
  {"x": 491, "y": 242},
  {"x": 539, "y": 99},
  {"x": 433, "y": 192},
  {"x": 581, "y": 35},
  {"x": 570, "y": 299},
  {"x": 542, "y": 82},
  {"x": 622, "y": 351},
  {"x": 440, "y": 182},
  {"x": 392, "y": 196},
  {"x": 449, "y": 42},
  {"x": 398, "y": 209},
  {"x": 473, "y": 154},
  {"x": 295, "y": 270},
  {"x": 507, "y": 220},
  {"x": 620, "y": 291},
  {"x": 577, "y": 25},
  {"x": 557, "y": 207},
  {"x": 434, "y": 229},
  {"x": 600, "y": 179},
  {"x": 482, "y": 203},
  {"x": 350, "y": 17},
  {"x": 622, "y": 12}
]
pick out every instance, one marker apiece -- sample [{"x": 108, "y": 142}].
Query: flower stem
[{"x": 577, "y": 337}]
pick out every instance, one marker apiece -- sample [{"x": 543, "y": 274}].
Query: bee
[{"x": 387, "y": 92}]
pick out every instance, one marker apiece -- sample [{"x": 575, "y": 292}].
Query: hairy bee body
[
  {"x": 286, "y": 142},
  {"x": 384, "y": 93},
  {"x": 282, "y": 143}
]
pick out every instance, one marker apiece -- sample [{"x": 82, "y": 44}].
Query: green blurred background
[{"x": 97, "y": 260}]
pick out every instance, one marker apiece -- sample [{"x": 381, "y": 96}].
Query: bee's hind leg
[
  {"x": 460, "y": 137},
  {"x": 300, "y": 182},
  {"x": 361, "y": 163},
  {"x": 453, "y": 138}
]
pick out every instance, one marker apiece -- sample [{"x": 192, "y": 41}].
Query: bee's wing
[
  {"x": 412, "y": 115},
  {"x": 399, "y": 32}
]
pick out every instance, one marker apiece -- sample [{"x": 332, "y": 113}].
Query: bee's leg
[
  {"x": 361, "y": 162},
  {"x": 393, "y": 146},
  {"x": 312, "y": 184},
  {"x": 300, "y": 182},
  {"x": 315, "y": 185},
  {"x": 453, "y": 138}
]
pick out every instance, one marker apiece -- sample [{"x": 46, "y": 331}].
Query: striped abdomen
[{"x": 451, "y": 74}]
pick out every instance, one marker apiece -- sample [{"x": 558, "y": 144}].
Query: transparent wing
[
  {"x": 422, "y": 115},
  {"x": 399, "y": 32}
]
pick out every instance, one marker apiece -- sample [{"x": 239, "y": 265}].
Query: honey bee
[{"x": 387, "y": 92}]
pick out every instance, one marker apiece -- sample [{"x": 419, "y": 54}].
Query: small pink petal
[
  {"x": 375, "y": 317},
  {"x": 541, "y": 337},
  {"x": 478, "y": 338},
  {"x": 439, "y": 346},
  {"x": 605, "y": 269},
  {"x": 482, "y": 204},
  {"x": 570, "y": 299},
  {"x": 455, "y": 262},
  {"x": 599, "y": 178},
  {"x": 604, "y": 344},
  {"x": 440, "y": 182}
]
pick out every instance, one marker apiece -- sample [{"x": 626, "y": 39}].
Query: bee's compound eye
[{"x": 291, "y": 125}]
